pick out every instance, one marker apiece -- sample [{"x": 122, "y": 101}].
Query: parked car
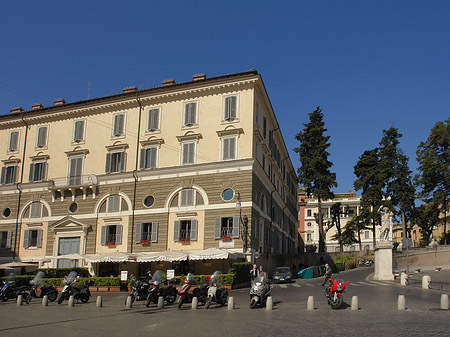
[{"x": 282, "y": 274}]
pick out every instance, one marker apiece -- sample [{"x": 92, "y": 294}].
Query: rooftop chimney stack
[
  {"x": 59, "y": 101},
  {"x": 36, "y": 106},
  {"x": 197, "y": 77},
  {"x": 168, "y": 82},
  {"x": 129, "y": 89},
  {"x": 16, "y": 110}
]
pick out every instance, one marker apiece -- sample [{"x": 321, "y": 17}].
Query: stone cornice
[
  {"x": 77, "y": 152},
  {"x": 191, "y": 136},
  {"x": 229, "y": 132},
  {"x": 158, "y": 141},
  {"x": 117, "y": 147}
]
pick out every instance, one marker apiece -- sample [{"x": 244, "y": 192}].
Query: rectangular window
[
  {"x": 13, "y": 141},
  {"x": 32, "y": 238},
  {"x": 119, "y": 125},
  {"x": 226, "y": 227},
  {"x": 257, "y": 113},
  {"x": 153, "y": 119},
  {"x": 37, "y": 171},
  {"x": 78, "y": 131},
  {"x": 9, "y": 174},
  {"x": 75, "y": 170},
  {"x": 185, "y": 230},
  {"x": 187, "y": 197},
  {"x": 42, "y": 137},
  {"x": 146, "y": 232},
  {"x": 111, "y": 235},
  {"x": 115, "y": 162},
  {"x": 366, "y": 234},
  {"x": 229, "y": 148},
  {"x": 190, "y": 114},
  {"x": 148, "y": 157},
  {"x": 5, "y": 239},
  {"x": 230, "y": 108},
  {"x": 264, "y": 127},
  {"x": 308, "y": 212},
  {"x": 264, "y": 162},
  {"x": 188, "y": 153}
]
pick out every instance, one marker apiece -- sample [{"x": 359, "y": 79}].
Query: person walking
[
  {"x": 328, "y": 273},
  {"x": 254, "y": 272}
]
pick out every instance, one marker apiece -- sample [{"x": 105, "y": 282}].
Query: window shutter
[
  {"x": 176, "y": 231},
  {"x": 194, "y": 229},
  {"x": 233, "y": 106},
  {"x": 226, "y": 148},
  {"x": 103, "y": 235},
  {"x": 232, "y": 148},
  {"x": 3, "y": 175},
  {"x": 8, "y": 239},
  {"x": 138, "y": 233},
  {"x": 119, "y": 124},
  {"x": 26, "y": 237},
  {"x": 154, "y": 232},
  {"x": 122, "y": 157},
  {"x": 108, "y": 163},
  {"x": 119, "y": 234},
  {"x": 39, "y": 238},
  {"x": 14, "y": 174},
  {"x": 236, "y": 222},
  {"x": 79, "y": 130},
  {"x": 153, "y": 157},
  {"x": 42, "y": 136},
  {"x": 31, "y": 176},
  {"x": 13, "y": 141},
  {"x": 143, "y": 156},
  {"x": 44, "y": 172},
  {"x": 153, "y": 119},
  {"x": 217, "y": 228}
]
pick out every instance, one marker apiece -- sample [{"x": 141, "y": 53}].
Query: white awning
[
  {"x": 215, "y": 254},
  {"x": 168, "y": 256},
  {"x": 111, "y": 257}
]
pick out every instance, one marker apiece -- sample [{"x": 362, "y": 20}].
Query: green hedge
[
  {"x": 201, "y": 279},
  {"x": 58, "y": 281},
  {"x": 61, "y": 272},
  {"x": 241, "y": 271}
]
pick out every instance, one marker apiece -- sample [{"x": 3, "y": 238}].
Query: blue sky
[{"x": 368, "y": 64}]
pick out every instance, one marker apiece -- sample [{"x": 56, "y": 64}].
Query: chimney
[
  {"x": 197, "y": 77},
  {"x": 129, "y": 89},
  {"x": 36, "y": 106},
  {"x": 16, "y": 110},
  {"x": 168, "y": 82},
  {"x": 59, "y": 101}
]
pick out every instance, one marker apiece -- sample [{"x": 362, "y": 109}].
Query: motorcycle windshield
[
  {"x": 159, "y": 277},
  {"x": 37, "y": 280},
  {"x": 190, "y": 278},
  {"x": 11, "y": 277},
  {"x": 339, "y": 280},
  {"x": 217, "y": 278},
  {"x": 71, "y": 277},
  {"x": 262, "y": 278}
]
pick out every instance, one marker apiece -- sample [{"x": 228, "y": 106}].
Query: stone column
[{"x": 383, "y": 261}]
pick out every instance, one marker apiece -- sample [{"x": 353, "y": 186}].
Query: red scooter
[
  {"x": 186, "y": 296},
  {"x": 334, "y": 292}
]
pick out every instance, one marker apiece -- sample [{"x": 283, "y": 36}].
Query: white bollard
[
  {"x": 129, "y": 303},
  {"x": 401, "y": 304},
  {"x": 355, "y": 304},
  {"x": 310, "y": 304},
  {"x": 99, "y": 303},
  {"x": 269, "y": 303},
  {"x": 71, "y": 301},
  {"x": 230, "y": 303},
  {"x": 404, "y": 279},
  {"x": 19, "y": 300},
  {"x": 444, "y": 302},
  {"x": 45, "y": 301},
  {"x": 194, "y": 303},
  {"x": 426, "y": 282},
  {"x": 160, "y": 302}
]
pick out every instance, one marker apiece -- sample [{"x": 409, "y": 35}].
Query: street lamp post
[{"x": 243, "y": 225}]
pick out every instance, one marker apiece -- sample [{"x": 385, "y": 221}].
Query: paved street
[{"x": 378, "y": 314}]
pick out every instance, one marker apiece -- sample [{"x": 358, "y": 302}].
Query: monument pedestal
[{"x": 383, "y": 261}]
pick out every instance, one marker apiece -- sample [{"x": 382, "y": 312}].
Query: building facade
[
  {"x": 151, "y": 170},
  {"x": 309, "y": 228}
]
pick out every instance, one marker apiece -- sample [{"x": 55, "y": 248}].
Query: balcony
[{"x": 84, "y": 183}]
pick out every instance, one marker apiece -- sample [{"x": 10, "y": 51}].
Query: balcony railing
[{"x": 84, "y": 180}]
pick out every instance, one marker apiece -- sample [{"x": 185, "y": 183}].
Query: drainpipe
[
  {"x": 135, "y": 170},
  {"x": 19, "y": 187}
]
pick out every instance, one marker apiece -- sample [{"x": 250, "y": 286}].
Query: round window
[
  {"x": 7, "y": 212},
  {"x": 73, "y": 207},
  {"x": 228, "y": 194},
  {"x": 149, "y": 201}
]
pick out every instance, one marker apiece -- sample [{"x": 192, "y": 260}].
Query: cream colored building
[{"x": 152, "y": 170}]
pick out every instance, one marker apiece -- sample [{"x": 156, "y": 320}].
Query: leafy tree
[
  {"x": 314, "y": 172},
  {"x": 426, "y": 217},
  {"x": 371, "y": 180},
  {"x": 399, "y": 191},
  {"x": 356, "y": 224},
  {"x": 433, "y": 156}
]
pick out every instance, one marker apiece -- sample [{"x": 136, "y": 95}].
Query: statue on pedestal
[{"x": 386, "y": 223}]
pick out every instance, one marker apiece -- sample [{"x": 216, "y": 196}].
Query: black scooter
[
  {"x": 38, "y": 291},
  {"x": 11, "y": 291},
  {"x": 79, "y": 293}
]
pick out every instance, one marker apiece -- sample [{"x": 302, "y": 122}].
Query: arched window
[
  {"x": 35, "y": 210},
  {"x": 187, "y": 197},
  {"x": 113, "y": 204}
]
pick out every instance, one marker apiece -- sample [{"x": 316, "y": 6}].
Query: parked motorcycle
[
  {"x": 157, "y": 288},
  {"x": 139, "y": 291},
  {"x": 79, "y": 293},
  {"x": 334, "y": 292},
  {"x": 260, "y": 290},
  {"x": 186, "y": 295},
  {"x": 39, "y": 291},
  {"x": 11, "y": 291},
  {"x": 216, "y": 293}
]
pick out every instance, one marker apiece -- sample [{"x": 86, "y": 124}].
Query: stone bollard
[
  {"x": 129, "y": 303},
  {"x": 404, "y": 279},
  {"x": 310, "y": 304},
  {"x": 71, "y": 301},
  {"x": 269, "y": 303},
  {"x": 99, "y": 303},
  {"x": 401, "y": 304},
  {"x": 230, "y": 303},
  {"x": 19, "y": 300},
  {"x": 45, "y": 301},
  {"x": 160, "y": 302},
  {"x": 355, "y": 304},
  {"x": 194, "y": 303},
  {"x": 426, "y": 282},
  {"x": 444, "y": 302}
]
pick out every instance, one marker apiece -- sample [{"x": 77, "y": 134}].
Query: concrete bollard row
[
  {"x": 230, "y": 303},
  {"x": 310, "y": 303},
  {"x": 160, "y": 302},
  {"x": 444, "y": 302},
  {"x": 99, "y": 302},
  {"x": 129, "y": 303},
  {"x": 195, "y": 303},
  {"x": 19, "y": 300},
  {"x": 71, "y": 301},
  {"x": 403, "y": 279},
  {"x": 401, "y": 303},
  {"x": 355, "y": 304},
  {"x": 45, "y": 301},
  {"x": 269, "y": 303},
  {"x": 426, "y": 282}
]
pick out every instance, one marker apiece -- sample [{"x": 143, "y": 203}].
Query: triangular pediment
[{"x": 69, "y": 223}]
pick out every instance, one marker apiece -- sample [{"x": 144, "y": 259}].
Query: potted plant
[
  {"x": 226, "y": 237},
  {"x": 185, "y": 240},
  {"x": 145, "y": 242},
  {"x": 111, "y": 243}
]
